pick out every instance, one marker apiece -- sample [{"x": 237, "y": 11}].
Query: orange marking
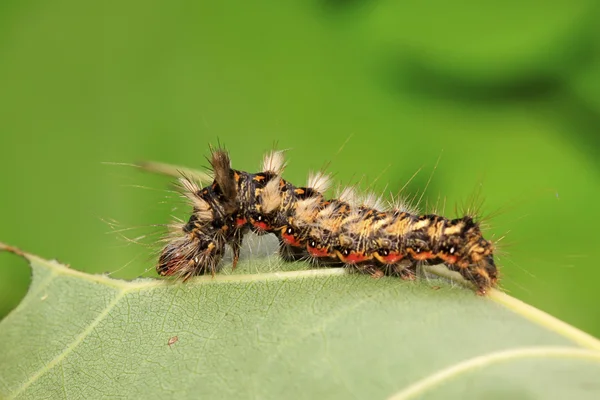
[
  {"x": 450, "y": 259},
  {"x": 482, "y": 272},
  {"x": 353, "y": 257},
  {"x": 425, "y": 255},
  {"x": 391, "y": 258}
]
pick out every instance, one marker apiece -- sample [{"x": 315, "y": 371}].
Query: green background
[{"x": 506, "y": 95}]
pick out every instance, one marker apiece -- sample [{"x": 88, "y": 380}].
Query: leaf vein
[
  {"x": 78, "y": 340},
  {"x": 451, "y": 372}
]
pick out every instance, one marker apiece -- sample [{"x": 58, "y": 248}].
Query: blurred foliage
[{"x": 506, "y": 96}]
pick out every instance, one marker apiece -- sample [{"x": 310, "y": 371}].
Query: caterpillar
[{"x": 345, "y": 231}]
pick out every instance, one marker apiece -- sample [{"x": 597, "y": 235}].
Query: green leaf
[{"x": 266, "y": 331}]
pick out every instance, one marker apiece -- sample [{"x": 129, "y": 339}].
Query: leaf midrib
[
  {"x": 119, "y": 295},
  {"x": 148, "y": 283}
]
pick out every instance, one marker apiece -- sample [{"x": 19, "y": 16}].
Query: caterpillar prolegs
[{"x": 344, "y": 231}]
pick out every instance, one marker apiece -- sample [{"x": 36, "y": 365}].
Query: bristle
[
  {"x": 371, "y": 200},
  {"x": 271, "y": 198},
  {"x": 349, "y": 196},
  {"x": 201, "y": 207},
  {"x": 319, "y": 181},
  {"x": 401, "y": 204},
  {"x": 306, "y": 208},
  {"x": 221, "y": 165},
  {"x": 189, "y": 186},
  {"x": 274, "y": 162},
  {"x": 174, "y": 229},
  {"x": 175, "y": 171},
  {"x": 328, "y": 211},
  {"x": 328, "y": 223},
  {"x": 406, "y": 207}
]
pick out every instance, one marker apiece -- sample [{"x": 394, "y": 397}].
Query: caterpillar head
[
  {"x": 193, "y": 248},
  {"x": 481, "y": 263},
  {"x": 175, "y": 260},
  {"x": 464, "y": 248},
  {"x": 187, "y": 256}
]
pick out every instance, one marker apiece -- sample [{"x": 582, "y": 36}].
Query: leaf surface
[{"x": 273, "y": 330}]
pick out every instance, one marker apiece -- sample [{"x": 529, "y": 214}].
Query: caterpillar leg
[
  {"x": 405, "y": 269},
  {"x": 408, "y": 273},
  {"x": 370, "y": 269},
  {"x": 212, "y": 256},
  {"x": 236, "y": 246}
]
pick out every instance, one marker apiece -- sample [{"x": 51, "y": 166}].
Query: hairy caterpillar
[{"x": 345, "y": 231}]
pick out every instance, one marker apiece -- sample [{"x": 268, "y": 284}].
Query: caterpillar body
[{"x": 344, "y": 231}]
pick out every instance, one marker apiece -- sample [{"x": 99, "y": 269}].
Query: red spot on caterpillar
[
  {"x": 353, "y": 257},
  {"x": 291, "y": 240},
  {"x": 313, "y": 251},
  {"x": 260, "y": 225},
  {"x": 240, "y": 222}
]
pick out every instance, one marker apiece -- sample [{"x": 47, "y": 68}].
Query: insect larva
[{"x": 344, "y": 231}]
